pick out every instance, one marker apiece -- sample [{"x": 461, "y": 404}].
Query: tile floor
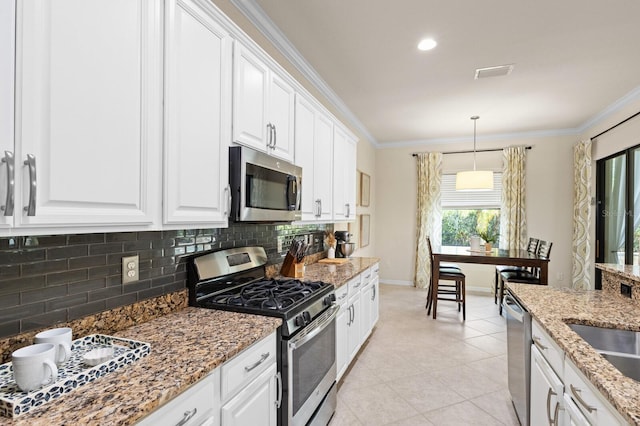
[{"x": 418, "y": 371}]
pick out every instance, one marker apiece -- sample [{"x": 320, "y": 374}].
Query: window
[{"x": 464, "y": 213}]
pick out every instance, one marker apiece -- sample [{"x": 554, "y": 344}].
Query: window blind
[{"x": 452, "y": 199}]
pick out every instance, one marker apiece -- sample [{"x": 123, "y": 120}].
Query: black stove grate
[{"x": 268, "y": 294}]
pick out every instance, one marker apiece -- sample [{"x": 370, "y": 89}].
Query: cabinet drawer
[
  {"x": 342, "y": 293},
  {"x": 247, "y": 365},
  {"x": 367, "y": 275},
  {"x": 355, "y": 284},
  {"x": 375, "y": 271},
  {"x": 193, "y": 406},
  {"x": 548, "y": 348},
  {"x": 590, "y": 401}
]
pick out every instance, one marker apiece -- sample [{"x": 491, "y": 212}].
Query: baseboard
[{"x": 397, "y": 282}]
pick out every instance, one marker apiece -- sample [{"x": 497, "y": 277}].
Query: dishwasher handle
[{"x": 508, "y": 304}]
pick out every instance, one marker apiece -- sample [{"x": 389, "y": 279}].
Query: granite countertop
[
  {"x": 338, "y": 275},
  {"x": 553, "y": 308},
  {"x": 185, "y": 346},
  {"x": 628, "y": 271}
]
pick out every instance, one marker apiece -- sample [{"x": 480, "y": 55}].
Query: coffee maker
[{"x": 344, "y": 245}]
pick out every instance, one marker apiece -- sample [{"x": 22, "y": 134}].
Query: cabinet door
[
  {"x": 88, "y": 110},
  {"x": 375, "y": 301},
  {"x": 323, "y": 169},
  {"x": 197, "y": 116},
  {"x": 342, "y": 340},
  {"x": 255, "y": 404},
  {"x": 304, "y": 139},
  {"x": 355, "y": 333},
  {"x": 281, "y": 117},
  {"x": 7, "y": 39},
  {"x": 340, "y": 165},
  {"x": 365, "y": 309},
  {"x": 546, "y": 392},
  {"x": 249, "y": 99},
  {"x": 351, "y": 174}
]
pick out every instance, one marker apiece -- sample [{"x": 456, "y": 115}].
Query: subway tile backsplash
[{"x": 45, "y": 280}]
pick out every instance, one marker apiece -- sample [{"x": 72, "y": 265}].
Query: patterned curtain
[
  {"x": 581, "y": 215},
  {"x": 513, "y": 222},
  {"x": 429, "y": 214}
]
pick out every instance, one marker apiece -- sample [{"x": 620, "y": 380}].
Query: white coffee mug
[
  {"x": 34, "y": 366},
  {"x": 61, "y": 338}
]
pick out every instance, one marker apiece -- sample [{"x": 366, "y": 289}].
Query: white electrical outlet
[{"x": 130, "y": 269}]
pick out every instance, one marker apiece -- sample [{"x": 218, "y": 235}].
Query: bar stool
[{"x": 532, "y": 247}]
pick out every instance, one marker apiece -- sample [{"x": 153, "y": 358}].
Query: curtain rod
[
  {"x": 415, "y": 154},
  {"x": 616, "y": 125}
]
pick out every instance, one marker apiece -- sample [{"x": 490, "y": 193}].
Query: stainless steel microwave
[{"x": 263, "y": 188}]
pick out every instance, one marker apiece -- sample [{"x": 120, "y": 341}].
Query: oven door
[{"x": 311, "y": 366}]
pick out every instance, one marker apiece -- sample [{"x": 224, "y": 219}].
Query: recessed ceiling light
[{"x": 427, "y": 44}]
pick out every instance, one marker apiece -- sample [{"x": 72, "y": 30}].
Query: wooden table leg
[{"x": 544, "y": 272}]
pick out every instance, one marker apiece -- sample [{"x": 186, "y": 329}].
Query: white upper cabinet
[
  {"x": 263, "y": 106},
  {"x": 88, "y": 121},
  {"x": 7, "y": 38},
  {"x": 314, "y": 153},
  {"x": 344, "y": 175},
  {"x": 197, "y": 115}
]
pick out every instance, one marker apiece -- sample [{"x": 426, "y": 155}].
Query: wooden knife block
[{"x": 291, "y": 268}]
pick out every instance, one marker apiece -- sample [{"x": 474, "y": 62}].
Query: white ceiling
[{"x": 573, "y": 59}]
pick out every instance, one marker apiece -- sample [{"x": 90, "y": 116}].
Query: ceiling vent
[{"x": 497, "y": 71}]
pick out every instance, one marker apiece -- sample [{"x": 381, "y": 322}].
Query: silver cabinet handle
[
  {"x": 373, "y": 294},
  {"x": 188, "y": 415},
  {"x": 318, "y": 207},
  {"x": 342, "y": 297},
  {"x": 279, "y": 385},
  {"x": 550, "y": 393},
  {"x": 576, "y": 392},
  {"x": 262, "y": 359},
  {"x": 31, "y": 163},
  {"x": 538, "y": 343},
  {"x": 227, "y": 210},
  {"x": 11, "y": 183},
  {"x": 348, "y": 210},
  {"x": 275, "y": 136}
]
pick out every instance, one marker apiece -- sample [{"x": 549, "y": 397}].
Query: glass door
[{"x": 618, "y": 209}]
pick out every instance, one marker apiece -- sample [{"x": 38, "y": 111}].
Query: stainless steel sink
[
  {"x": 609, "y": 339},
  {"x": 620, "y": 347}
]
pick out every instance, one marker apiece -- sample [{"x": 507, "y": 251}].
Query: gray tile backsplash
[{"x": 49, "y": 279}]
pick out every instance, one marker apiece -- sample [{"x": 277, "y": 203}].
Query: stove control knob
[
  {"x": 307, "y": 317},
  {"x": 328, "y": 300},
  {"x": 302, "y": 320}
]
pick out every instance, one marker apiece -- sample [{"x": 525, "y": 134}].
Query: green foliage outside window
[{"x": 459, "y": 225}]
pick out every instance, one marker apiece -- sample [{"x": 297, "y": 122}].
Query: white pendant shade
[{"x": 474, "y": 180}]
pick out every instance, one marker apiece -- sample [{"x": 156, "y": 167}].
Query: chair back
[
  {"x": 429, "y": 248},
  {"x": 544, "y": 249},
  {"x": 532, "y": 247}
]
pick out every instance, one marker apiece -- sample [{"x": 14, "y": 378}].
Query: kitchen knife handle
[
  {"x": 11, "y": 183},
  {"x": 33, "y": 183}
]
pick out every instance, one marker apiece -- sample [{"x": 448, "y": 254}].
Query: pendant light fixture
[{"x": 474, "y": 180}]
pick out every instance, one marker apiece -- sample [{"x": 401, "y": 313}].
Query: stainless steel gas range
[{"x": 234, "y": 280}]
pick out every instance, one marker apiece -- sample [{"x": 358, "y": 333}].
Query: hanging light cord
[{"x": 475, "y": 119}]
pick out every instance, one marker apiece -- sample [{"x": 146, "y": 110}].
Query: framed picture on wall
[
  {"x": 354, "y": 230},
  {"x": 365, "y": 222},
  {"x": 365, "y": 183}
]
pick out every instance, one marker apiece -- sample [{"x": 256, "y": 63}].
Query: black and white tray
[{"x": 71, "y": 375}]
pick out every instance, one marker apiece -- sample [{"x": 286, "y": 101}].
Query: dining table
[{"x": 495, "y": 256}]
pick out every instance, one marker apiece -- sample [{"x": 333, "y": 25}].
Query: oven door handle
[{"x": 316, "y": 327}]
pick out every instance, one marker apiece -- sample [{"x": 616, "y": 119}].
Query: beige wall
[{"x": 549, "y": 203}]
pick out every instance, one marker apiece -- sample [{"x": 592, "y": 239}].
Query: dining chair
[
  {"x": 532, "y": 247},
  {"x": 447, "y": 292},
  {"x": 525, "y": 276}
]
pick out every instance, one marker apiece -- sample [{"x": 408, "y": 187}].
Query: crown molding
[{"x": 266, "y": 26}]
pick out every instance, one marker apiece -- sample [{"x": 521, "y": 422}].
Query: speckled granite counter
[
  {"x": 338, "y": 275},
  {"x": 613, "y": 275},
  {"x": 553, "y": 308},
  {"x": 185, "y": 346}
]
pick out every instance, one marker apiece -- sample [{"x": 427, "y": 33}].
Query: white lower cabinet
[
  {"x": 547, "y": 406},
  {"x": 254, "y": 404},
  {"x": 359, "y": 307},
  {"x": 198, "y": 405}
]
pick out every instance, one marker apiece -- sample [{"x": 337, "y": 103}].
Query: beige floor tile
[
  {"x": 413, "y": 421},
  {"x": 343, "y": 416},
  {"x": 425, "y": 392},
  {"x": 462, "y": 414},
  {"x": 377, "y": 405},
  {"x": 498, "y": 404},
  {"x": 488, "y": 343}
]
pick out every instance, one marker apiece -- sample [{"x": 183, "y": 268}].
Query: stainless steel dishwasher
[{"x": 519, "y": 355}]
